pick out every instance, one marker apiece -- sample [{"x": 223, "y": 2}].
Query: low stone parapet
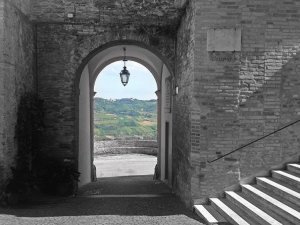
[{"x": 149, "y": 147}]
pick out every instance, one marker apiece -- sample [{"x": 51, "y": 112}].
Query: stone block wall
[
  {"x": 240, "y": 96},
  {"x": 17, "y": 74},
  {"x": 149, "y": 147}
]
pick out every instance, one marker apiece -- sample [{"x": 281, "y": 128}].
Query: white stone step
[
  {"x": 260, "y": 216},
  {"x": 281, "y": 190},
  {"x": 288, "y": 177},
  {"x": 209, "y": 214},
  {"x": 227, "y": 212},
  {"x": 282, "y": 209},
  {"x": 295, "y": 168},
  {"x": 261, "y": 205}
]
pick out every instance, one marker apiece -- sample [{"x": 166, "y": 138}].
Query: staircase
[{"x": 272, "y": 200}]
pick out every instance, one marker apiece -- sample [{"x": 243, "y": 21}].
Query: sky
[{"x": 141, "y": 83}]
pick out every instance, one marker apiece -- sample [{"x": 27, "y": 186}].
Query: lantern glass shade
[{"x": 124, "y": 75}]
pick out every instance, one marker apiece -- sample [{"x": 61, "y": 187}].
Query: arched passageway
[
  {"x": 125, "y": 122},
  {"x": 89, "y": 71}
]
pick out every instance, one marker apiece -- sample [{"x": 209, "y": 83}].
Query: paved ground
[
  {"x": 125, "y": 186},
  {"x": 124, "y": 165},
  {"x": 104, "y": 210}
]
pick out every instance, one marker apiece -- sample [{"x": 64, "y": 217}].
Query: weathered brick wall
[
  {"x": 16, "y": 74},
  {"x": 225, "y": 99},
  {"x": 114, "y": 12},
  {"x": 64, "y": 42},
  {"x": 61, "y": 50},
  {"x": 240, "y": 96},
  {"x": 182, "y": 118},
  {"x": 2, "y": 143}
]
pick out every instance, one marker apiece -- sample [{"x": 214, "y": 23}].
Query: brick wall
[
  {"x": 113, "y": 12},
  {"x": 225, "y": 99},
  {"x": 240, "y": 96},
  {"x": 61, "y": 50},
  {"x": 16, "y": 74},
  {"x": 182, "y": 117},
  {"x": 2, "y": 142}
]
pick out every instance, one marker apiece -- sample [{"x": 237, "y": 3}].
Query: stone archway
[{"x": 87, "y": 74}]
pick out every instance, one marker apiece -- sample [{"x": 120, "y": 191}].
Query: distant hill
[{"x": 114, "y": 119}]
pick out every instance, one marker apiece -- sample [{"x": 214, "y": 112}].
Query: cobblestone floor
[{"x": 100, "y": 210}]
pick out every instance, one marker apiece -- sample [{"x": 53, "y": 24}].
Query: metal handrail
[{"x": 256, "y": 140}]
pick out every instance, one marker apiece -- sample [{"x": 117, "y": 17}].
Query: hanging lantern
[{"x": 124, "y": 75}]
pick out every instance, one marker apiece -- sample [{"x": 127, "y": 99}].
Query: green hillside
[{"x": 125, "y": 118}]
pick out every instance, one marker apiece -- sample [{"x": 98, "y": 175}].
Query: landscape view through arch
[{"x": 125, "y": 122}]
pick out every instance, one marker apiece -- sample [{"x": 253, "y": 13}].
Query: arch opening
[
  {"x": 125, "y": 122},
  {"x": 88, "y": 74}
]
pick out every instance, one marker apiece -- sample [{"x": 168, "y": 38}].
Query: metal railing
[{"x": 254, "y": 141}]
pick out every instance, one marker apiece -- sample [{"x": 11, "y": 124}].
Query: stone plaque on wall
[{"x": 224, "y": 39}]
